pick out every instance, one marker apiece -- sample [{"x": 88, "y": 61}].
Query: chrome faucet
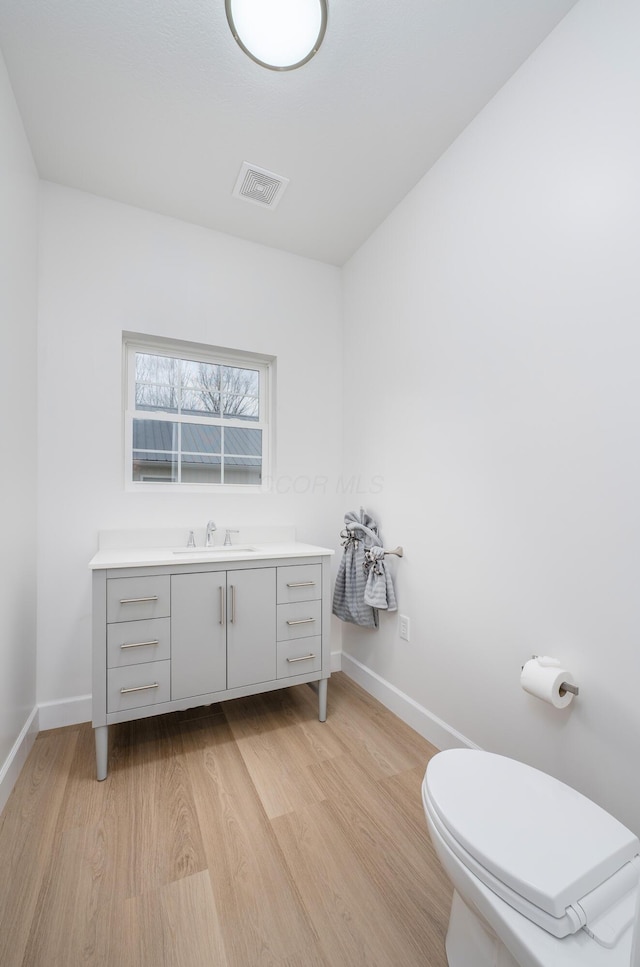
[
  {"x": 227, "y": 536},
  {"x": 211, "y": 527}
]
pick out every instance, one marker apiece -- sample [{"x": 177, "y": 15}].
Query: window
[{"x": 195, "y": 416}]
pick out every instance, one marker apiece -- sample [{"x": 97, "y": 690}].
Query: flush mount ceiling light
[{"x": 278, "y": 34}]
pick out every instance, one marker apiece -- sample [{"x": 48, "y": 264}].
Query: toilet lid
[{"x": 540, "y": 837}]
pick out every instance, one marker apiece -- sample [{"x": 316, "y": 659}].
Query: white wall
[
  {"x": 105, "y": 268},
  {"x": 494, "y": 322},
  {"x": 18, "y": 255}
]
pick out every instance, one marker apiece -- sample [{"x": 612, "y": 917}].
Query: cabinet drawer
[
  {"x": 299, "y": 582},
  {"x": 303, "y": 620},
  {"x": 134, "y": 642},
  {"x": 131, "y": 599},
  {"x": 299, "y": 657},
  {"x": 138, "y": 685}
]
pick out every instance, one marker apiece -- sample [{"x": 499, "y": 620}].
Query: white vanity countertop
[{"x": 114, "y": 557}]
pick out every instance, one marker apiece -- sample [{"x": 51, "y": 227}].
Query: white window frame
[{"x": 133, "y": 343}]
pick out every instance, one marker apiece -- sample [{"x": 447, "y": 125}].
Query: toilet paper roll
[{"x": 543, "y": 678}]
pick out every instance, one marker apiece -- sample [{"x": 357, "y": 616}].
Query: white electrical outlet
[{"x": 404, "y": 627}]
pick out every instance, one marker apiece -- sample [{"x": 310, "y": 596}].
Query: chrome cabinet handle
[
  {"x": 140, "y": 644},
  {"x": 151, "y": 597},
  {"x": 233, "y": 603},
  {"x": 304, "y": 658},
  {"x": 139, "y": 688},
  {"x": 301, "y": 621},
  {"x": 222, "y": 609},
  {"x": 301, "y": 584}
]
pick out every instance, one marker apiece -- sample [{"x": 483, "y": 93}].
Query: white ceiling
[{"x": 152, "y": 103}]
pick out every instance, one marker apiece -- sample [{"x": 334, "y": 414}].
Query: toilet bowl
[{"x": 542, "y": 876}]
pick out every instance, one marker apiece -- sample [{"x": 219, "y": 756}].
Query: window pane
[
  {"x": 201, "y": 402},
  {"x": 197, "y": 438},
  {"x": 245, "y": 382},
  {"x": 156, "y": 369},
  {"x": 241, "y": 441},
  {"x": 241, "y": 408},
  {"x": 198, "y": 375},
  {"x": 156, "y": 382},
  {"x": 241, "y": 391},
  {"x": 155, "y": 435},
  {"x": 201, "y": 468},
  {"x": 242, "y": 470},
  {"x": 155, "y": 466},
  {"x": 156, "y": 397}
]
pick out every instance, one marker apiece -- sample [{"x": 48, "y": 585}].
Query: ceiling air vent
[{"x": 261, "y": 187}]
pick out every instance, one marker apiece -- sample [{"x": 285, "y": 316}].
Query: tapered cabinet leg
[
  {"x": 322, "y": 699},
  {"x": 102, "y": 750}
]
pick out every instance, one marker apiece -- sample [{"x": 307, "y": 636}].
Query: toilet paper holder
[
  {"x": 565, "y": 686},
  {"x": 568, "y": 687}
]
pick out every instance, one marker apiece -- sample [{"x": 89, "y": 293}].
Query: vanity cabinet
[{"x": 173, "y": 636}]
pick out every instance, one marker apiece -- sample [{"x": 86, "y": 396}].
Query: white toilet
[{"x": 542, "y": 876}]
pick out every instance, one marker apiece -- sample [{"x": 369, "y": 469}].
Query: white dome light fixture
[{"x": 278, "y": 34}]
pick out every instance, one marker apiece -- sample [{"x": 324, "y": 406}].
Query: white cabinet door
[
  {"x": 251, "y": 626},
  {"x": 198, "y": 633}
]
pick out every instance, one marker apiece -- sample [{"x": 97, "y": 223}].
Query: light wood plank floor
[{"x": 247, "y": 834}]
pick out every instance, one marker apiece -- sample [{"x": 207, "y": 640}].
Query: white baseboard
[
  {"x": 67, "y": 711},
  {"x": 17, "y": 757},
  {"x": 425, "y": 723},
  {"x": 336, "y": 661}
]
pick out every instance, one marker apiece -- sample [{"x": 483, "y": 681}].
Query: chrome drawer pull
[
  {"x": 140, "y": 644},
  {"x": 301, "y": 621},
  {"x": 222, "y": 614},
  {"x": 139, "y": 688},
  {"x": 301, "y": 584},
  {"x": 152, "y": 597},
  {"x": 304, "y": 658}
]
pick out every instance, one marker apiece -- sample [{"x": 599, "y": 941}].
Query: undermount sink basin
[{"x": 214, "y": 551}]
